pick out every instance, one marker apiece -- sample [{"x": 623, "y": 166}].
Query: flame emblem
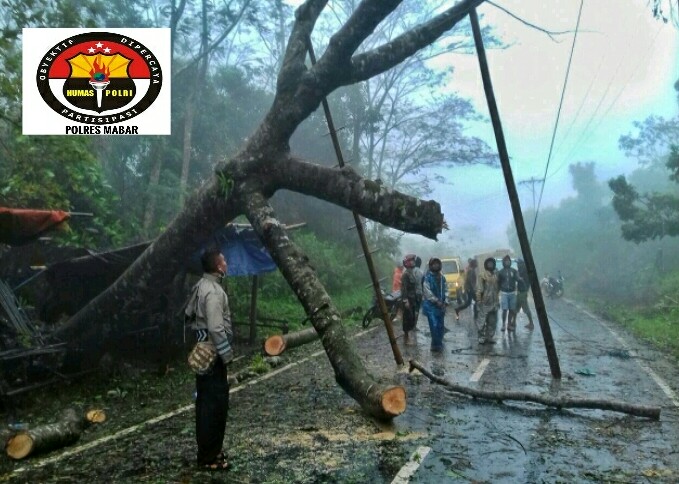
[{"x": 99, "y": 72}]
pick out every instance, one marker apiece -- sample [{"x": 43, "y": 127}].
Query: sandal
[{"x": 219, "y": 464}]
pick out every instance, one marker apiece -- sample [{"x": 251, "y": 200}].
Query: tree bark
[
  {"x": 277, "y": 344},
  {"x": 52, "y": 436},
  {"x": 381, "y": 401},
  {"x": 557, "y": 402}
]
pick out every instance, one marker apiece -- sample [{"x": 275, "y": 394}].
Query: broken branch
[
  {"x": 557, "y": 402},
  {"x": 344, "y": 187}
]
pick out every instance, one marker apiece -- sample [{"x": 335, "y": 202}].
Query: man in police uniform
[{"x": 212, "y": 324}]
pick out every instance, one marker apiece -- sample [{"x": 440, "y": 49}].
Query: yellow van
[{"x": 451, "y": 268}]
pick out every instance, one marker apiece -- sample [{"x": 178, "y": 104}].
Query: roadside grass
[
  {"x": 656, "y": 321},
  {"x": 659, "y": 328}
]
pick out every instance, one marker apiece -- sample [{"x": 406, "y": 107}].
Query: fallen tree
[
  {"x": 52, "y": 436},
  {"x": 243, "y": 185},
  {"x": 549, "y": 401}
]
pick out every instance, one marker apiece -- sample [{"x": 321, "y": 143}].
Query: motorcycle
[
  {"x": 553, "y": 286},
  {"x": 393, "y": 302}
]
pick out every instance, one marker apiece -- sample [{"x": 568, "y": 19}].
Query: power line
[
  {"x": 558, "y": 115},
  {"x": 586, "y": 133}
]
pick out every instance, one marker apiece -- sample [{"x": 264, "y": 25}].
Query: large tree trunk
[
  {"x": 242, "y": 185},
  {"x": 381, "y": 401}
]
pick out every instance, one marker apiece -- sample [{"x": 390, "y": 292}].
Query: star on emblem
[
  {"x": 91, "y": 50},
  {"x": 107, "y": 50},
  {"x": 99, "y": 45}
]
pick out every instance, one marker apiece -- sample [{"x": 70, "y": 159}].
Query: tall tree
[
  {"x": 244, "y": 183},
  {"x": 652, "y": 214}
]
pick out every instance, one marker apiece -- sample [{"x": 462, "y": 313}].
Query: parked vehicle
[
  {"x": 393, "y": 302},
  {"x": 451, "y": 268}
]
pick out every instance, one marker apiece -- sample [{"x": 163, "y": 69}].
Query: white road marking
[
  {"x": 667, "y": 390},
  {"x": 165, "y": 416},
  {"x": 476, "y": 376},
  {"x": 409, "y": 469}
]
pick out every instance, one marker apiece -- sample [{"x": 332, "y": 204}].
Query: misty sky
[{"x": 623, "y": 69}]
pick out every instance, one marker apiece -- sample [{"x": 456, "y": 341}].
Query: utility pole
[
  {"x": 514, "y": 199},
  {"x": 532, "y": 181},
  {"x": 361, "y": 231}
]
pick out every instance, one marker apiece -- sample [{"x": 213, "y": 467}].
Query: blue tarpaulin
[{"x": 243, "y": 250}]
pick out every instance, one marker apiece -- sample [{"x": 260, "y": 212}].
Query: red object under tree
[{"x": 20, "y": 226}]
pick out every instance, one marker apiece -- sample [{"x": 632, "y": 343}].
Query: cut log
[
  {"x": 277, "y": 344},
  {"x": 52, "y": 436},
  {"x": 95, "y": 416},
  {"x": 549, "y": 401}
]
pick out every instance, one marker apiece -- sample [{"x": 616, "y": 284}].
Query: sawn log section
[{"x": 277, "y": 344}]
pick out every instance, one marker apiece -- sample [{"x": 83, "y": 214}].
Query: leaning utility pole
[
  {"x": 514, "y": 199},
  {"x": 361, "y": 231}
]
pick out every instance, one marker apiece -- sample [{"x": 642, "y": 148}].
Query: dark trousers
[
  {"x": 471, "y": 296},
  {"x": 212, "y": 406}
]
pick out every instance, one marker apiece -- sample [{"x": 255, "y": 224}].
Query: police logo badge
[{"x": 99, "y": 78}]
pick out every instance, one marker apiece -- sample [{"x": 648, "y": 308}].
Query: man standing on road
[
  {"x": 408, "y": 296},
  {"x": 487, "y": 300},
  {"x": 434, "y": 305},
  {"x": 212, "y": 323},
  {"x": 507, "y": 279},
  {"x": 469, "y": 289},
  {"x": 523, "y": 285},
  {"x": 419, "y": 278}
]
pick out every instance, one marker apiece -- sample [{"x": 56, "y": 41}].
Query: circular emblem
[{"x": 99, "y": 78}]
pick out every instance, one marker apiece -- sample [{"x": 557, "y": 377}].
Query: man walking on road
[
  {"x": 487, "y": 300},
  {"x": 470, "y": 290},
  {"x": 507, "y": 279}
]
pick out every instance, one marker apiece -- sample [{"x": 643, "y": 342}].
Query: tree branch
[
  {"x": 380, "y": 401},
  {"x": 293, "y": 65},
  {"x": 344, "y": 187},
  {"x": 367, "y": 16},
  {"x": 651, "y": 412},
  {"x": 205, "y": 52},
  {"x": 374, "y": 62}
]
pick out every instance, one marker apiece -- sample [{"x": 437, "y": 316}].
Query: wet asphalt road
[{"x": 514, "y": 442}]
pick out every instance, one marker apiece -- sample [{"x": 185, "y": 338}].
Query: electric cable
[{"x": 558, "y": 114}]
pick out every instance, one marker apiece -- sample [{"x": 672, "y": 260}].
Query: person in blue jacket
[{"x": 435, "y": 291}]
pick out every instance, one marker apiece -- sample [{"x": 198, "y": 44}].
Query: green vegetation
[
  {"x": 343, "y": 275},
  {"x": 656, "y": 322}
]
